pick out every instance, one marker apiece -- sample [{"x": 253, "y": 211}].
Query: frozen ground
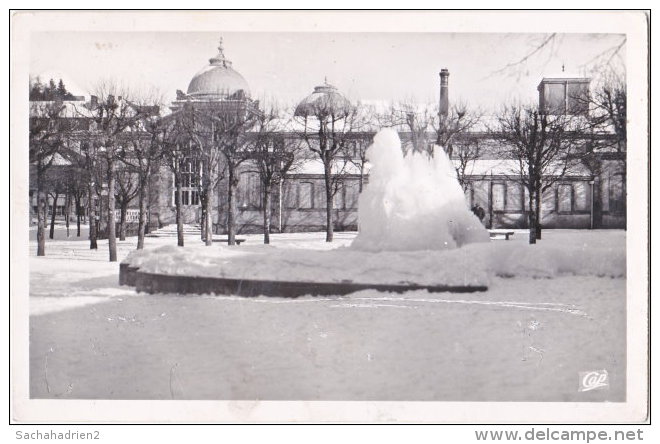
[{"x": 526, "y": 339}]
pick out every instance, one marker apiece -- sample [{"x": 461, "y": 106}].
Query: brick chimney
[{"x": 444, "y": 92}]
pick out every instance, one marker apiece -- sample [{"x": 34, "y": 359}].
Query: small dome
[
  {"x": 325, "y": 99},
  {"x": 218, "y": 80}
]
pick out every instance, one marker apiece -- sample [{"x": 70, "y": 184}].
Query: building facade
[{"x": 590, "y": 196}]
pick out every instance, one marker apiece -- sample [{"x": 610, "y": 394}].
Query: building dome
[
  {"x": 218, "y": 80},
  {"x": 325, "y": 100}
]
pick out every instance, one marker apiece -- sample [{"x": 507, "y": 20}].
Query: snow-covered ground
[
  {"x": 526, "y": 338},
  {"x": 473, "y": 264}
]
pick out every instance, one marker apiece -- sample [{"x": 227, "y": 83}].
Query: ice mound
[{"x": 413, "y": 202}]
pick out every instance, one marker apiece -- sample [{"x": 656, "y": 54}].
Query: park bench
[
  {"x": 506, "y": 234},
  {"x": 226, "y": 240}
]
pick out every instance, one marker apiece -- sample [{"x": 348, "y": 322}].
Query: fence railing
[{"x": 132, "y": 215}]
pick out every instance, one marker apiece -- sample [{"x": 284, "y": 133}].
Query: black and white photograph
[{"x": 389, "y": 211}]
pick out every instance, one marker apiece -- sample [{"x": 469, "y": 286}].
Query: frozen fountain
[
  {"x": 413, "y": 202},
  {"x": 413, "y": 218}
]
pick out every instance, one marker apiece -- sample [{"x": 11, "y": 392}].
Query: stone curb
[{"x": 159, "y": 283}]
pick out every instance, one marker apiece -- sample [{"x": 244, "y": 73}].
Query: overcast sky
[{"x": 286, "y": 66}]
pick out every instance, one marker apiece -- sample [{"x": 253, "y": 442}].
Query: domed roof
[
  {"x": 325, "y": 99},
  {"x": 218, "y": 80}
]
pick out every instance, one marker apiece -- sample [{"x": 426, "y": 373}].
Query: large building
[{"x": 587, "y": 197}]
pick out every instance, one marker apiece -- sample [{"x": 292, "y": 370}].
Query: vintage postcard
[{"x": 425, "y": 216}]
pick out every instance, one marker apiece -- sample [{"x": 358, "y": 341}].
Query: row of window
[
  {"x": 297, "y": 195},
  {"x": 507, "y": 196},
  {"x": 512, "y": 197},
  {"x": 311, "y": 195},
  {"x": 564, "y": 198}
]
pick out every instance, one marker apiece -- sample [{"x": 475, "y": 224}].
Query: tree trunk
[
  {"x": 122, "y": 220},
  {"x": 361, "y": 183},
  {"x": 231, "y": 204},
  {"x": 41, "y": 215},
  {"x": 67, "y": 211},
  {"x": 93, "y": 245},
  {"x": 52, "y": 216},
  {"x": 267, "y": 213},
  {"x": 78, "y": 210},
  {"x": 112, "y": 236},
  {"x": 597, "y": 203},
  {"x": 329, "y": 231},
  {"x": 538, "y": 213},
  {"x": 147, "y": 206},
  {"x": 142, "y": 217},
  {"x": 177, "y": 203},
  {"x": 208, "y": 217},
  {"x": 203, "y": 219},
  {"x": 532, "y": 219}
]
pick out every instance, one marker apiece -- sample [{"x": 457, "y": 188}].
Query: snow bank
[
  {"x": 413, "y": 202},
  {"x": 338, "y": 265},
  {"x": 550, "y": 260},
  {"x": 473, "y": 264}
]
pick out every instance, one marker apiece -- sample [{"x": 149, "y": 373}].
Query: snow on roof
[
  {"x": 505, "y": 167},
  {"x": 561, "y": 76},
  {"x": 70, "y": 108},
  {"x": 341, "y": 166}
]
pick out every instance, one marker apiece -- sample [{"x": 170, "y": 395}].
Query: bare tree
[
  {"x": 362, "y": 136},
  {"x": 356, "y": 154},
  {"x": 175, "y": 147},
  {"x": 146, "y": 149},
  {"x": 465, "y": 155},
  {"x": 47, "y": 130},
  {"x": 112, "y": 114},
  {"x": 451, "y": 127},
  {"x": 605, "y": 131},
  {"x": 273, "y": 157},
  {"x": 542, "y": 148},
  {"x": 416, "y": 119},
  {"x": 56, "y": 185},
  {"x": 607, "y": 113},
  {"x": 77, "y": 189},
  {"x": 90, "y": 163},
  {"x": 537, "y": 46},
  {"x": 198, "y": 128},
  {"x": 328, "y": 119},
  {"x": 232, "y": 127},
  {"x": 126, "y": 189},
  {"x": 542, "y": 49}
]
